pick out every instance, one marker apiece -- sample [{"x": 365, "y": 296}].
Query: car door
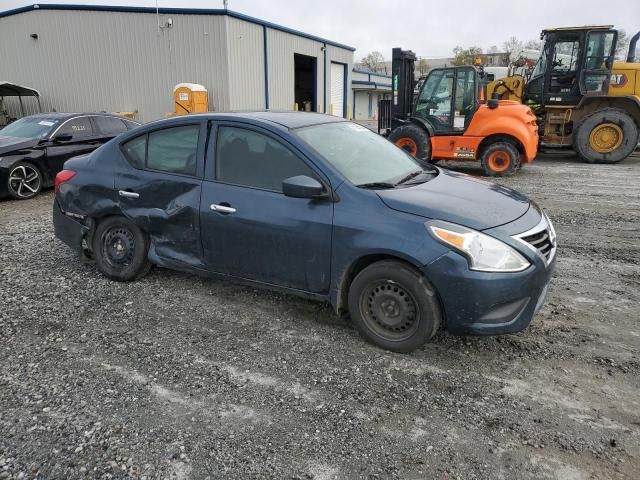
[
  {"x": 76, "y": 136},
  {"x": 250, "y": 229},
  {"x": 158, "y": 183}
]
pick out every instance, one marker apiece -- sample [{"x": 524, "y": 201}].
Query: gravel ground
[{"x": 177, "y": 376}]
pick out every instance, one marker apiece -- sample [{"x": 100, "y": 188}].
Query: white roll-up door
[{"x": 337, "y": 89}]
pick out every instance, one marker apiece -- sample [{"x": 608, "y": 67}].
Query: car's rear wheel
[
  {"x": 120, "y": 249},
  {"x": 394, "y": 306},
  {"x": 25, "y": 181}
]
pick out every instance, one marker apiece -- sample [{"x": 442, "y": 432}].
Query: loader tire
[{"x": 608, "y": 135}]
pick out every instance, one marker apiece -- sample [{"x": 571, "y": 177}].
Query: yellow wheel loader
[{"x": 583, "y": 100}]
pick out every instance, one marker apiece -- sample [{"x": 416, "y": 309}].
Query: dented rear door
[{"x": 159, "y": 190}]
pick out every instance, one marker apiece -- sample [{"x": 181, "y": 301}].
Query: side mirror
[
  {"x": 303, "y": 187},
  {"x": 62, "y": 137}
]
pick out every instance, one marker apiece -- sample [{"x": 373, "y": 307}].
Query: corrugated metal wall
[
  {"x": 281, "y": 48},
  {"x": 113, "y": 61},
  {"x": 121, "y": 61},
  {"x": 246, "y": 65}
]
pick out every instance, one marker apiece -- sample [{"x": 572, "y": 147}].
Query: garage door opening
[
  {"x": 338, "y": 89},
  {"x": 305, "y": 82}
]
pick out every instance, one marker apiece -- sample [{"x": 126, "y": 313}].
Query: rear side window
[
  {"x": 78, "y": 127},
  {"x": 171, "y": 150},
  {"x": 110, "y": 126},
  {"x": 251, "y": 159},
  {"x": 136, "y": 151}
]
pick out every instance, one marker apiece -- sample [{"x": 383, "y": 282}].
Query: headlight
[{"x": 484, "y": 253}]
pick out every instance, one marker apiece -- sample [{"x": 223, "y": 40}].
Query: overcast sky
[{"x": 430, "y": 28}]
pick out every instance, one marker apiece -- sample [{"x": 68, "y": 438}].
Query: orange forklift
[{"x": 449, "y": 119}]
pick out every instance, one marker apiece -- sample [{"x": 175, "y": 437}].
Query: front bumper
[
  {"x": 484, "y": 303},
  {"x": 68, "y": 229}
]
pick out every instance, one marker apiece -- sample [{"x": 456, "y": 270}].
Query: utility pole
[{"x": 226, "y": 4}]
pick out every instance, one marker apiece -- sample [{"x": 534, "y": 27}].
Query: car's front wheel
[
  {"x": 120, "y": 249},
  {"x": 25, "y": 181},
  {"x": 394, "y": 306}
]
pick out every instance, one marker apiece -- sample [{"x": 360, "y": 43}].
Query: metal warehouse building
[{"x": 128, "y": 59}]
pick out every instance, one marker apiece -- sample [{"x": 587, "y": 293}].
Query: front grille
[{"x": 541, "y": 241}]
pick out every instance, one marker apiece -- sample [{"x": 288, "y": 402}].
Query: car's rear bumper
[
  {"x": 483, "y": 303},
  {"x": 68, "y": 229}
]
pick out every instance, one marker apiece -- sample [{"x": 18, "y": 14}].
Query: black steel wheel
[
  {"x": 25, "y": 181},
  {"x": 394, "y": 306},
  {"x": 389, "y": 310},
  {"x": 120, "y": 249}
]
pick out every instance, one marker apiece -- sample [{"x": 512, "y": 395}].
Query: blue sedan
[{"x": 316, "y": 206}]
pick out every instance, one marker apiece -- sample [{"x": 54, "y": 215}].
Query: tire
[
  {"x": 120, "y": 249},
  {"x": 606, "y": 136},
  {"x": 500, "y": 159},
  {"x": 414, "y": 140},
  {"x": 24, "y": 181},
  {"x": 394, "y": 306}
]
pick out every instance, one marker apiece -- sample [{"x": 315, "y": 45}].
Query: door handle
[
  {"x": 127, "y": 194},
  {"x": 222, "y": 208}
]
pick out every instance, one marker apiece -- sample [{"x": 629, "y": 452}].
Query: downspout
[
  {"x": 324, "y": 92},
  {"x": 266, "y": 67}
]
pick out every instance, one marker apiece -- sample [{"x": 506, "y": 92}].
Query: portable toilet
[{"x": 190, "y": 98}]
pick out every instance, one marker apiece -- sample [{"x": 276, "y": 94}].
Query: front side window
[
  {"x": 465, "y": 98},
  {"x": 110, "y": 126},
  {"x": 541, "y": 64},
  {"x": 78, "y": 128},
  {"x": 251, "y": 159},
  {"x": 171, "y": 150},
  {"x": 360, "y": 155}
]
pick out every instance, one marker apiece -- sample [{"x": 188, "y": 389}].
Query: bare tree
[
  {"x": 374, "y": 61},
  {"x": 533, "y": 45},
  {"x": 423, "y": 66},
  {"x": 514, "y": 48},
  {"x": 623, "y": 44},
  {"x": 465, "y": 56}
]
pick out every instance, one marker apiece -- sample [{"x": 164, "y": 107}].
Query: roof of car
[
  {"x": 287, "y": 119},
  {"x": 68, "y": 115}
]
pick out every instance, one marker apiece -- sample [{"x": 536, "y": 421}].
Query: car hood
[
  {"x": 9, "y": 144},
  {"x": 459, "y": 198}
]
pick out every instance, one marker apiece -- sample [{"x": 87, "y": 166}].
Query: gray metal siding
[
  {"x": 246, "y": 65},
  {"x": 121, "y": 61},
  {"x": 281, "y": 48},
  {"x": 114, "y": 61}
]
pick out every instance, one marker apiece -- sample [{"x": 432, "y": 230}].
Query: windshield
[
  {"x": 541, "y": 64},
  {"x": 362, "y": 156},
  {"x": 30, "y": 127}
]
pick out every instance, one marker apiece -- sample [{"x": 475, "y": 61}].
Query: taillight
[{"x": 63, "y": 176}]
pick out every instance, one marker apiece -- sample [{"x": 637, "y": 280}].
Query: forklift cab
[
  {"x": 574, "y": 62},
  {"x": 448, "y": 99}
]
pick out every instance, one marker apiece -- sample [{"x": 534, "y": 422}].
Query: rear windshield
[{"x": 30, "y": 127}]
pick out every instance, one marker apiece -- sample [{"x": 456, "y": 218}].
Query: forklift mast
[{"x": 402, "y": 71}]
